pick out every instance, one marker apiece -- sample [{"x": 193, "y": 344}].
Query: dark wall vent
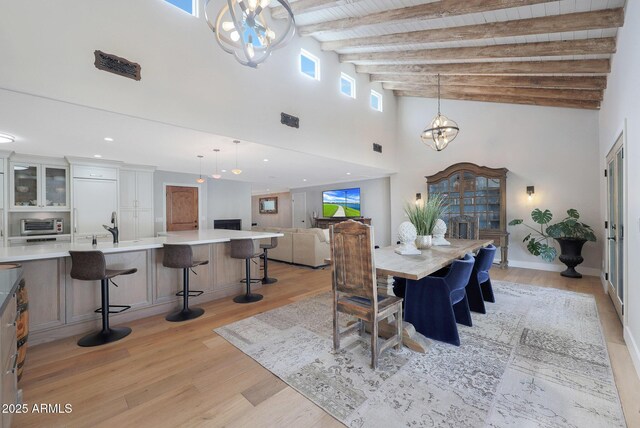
[
  {"x": 116, "y": 65},
  {"x": 377, "y": 147},
  {"x": 287, "y": 119}
]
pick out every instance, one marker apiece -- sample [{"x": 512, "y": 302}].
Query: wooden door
[{"x": 182, "y": 208}]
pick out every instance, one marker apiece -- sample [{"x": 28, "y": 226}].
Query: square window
[
  {"x": 309, "y": 65},
  {"x": 376, "y": 101},
  {"x": 189, "y": 6},
  {"x": 347, "y": 85}
]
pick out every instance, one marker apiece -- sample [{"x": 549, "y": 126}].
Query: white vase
[{"x": 424, "y": 241}]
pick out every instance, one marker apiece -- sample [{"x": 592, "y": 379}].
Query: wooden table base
[{"x": 410, "y": 337}]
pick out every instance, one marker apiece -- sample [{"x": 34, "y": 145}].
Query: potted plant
[
  {"x": 570, "y": 233},
  {"x": 424, "y": 217}
]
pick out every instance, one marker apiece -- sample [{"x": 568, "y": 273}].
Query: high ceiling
[{"x": 540, "y": 52}]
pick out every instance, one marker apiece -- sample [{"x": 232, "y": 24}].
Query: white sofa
[{"x": 308, "y": 247}]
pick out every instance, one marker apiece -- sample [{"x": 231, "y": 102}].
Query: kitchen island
[{"x": 61, "y": 306}]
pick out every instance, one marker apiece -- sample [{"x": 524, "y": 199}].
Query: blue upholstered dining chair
[
  {"x": 435, "y": 304},
  {"x": 479, "y": 287}
]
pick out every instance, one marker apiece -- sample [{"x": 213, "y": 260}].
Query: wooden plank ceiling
[{"x": 541, "y": 52}]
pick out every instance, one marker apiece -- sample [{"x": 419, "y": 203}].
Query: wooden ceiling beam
[
  {"x": 582, "y": 104},
  {"x": 306, "y": 6},
  {"x": 599, "y": 19},
  {"x": 586, "y": 66},
  {"x": 562, "y": 94},
  {"x": 560, "y": 82},
  {"x": 437, "y": 9},
  {"x": 598, "y": 46}
]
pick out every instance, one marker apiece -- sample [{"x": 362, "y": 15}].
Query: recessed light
[
  {"x": 97, "y": 156},
  {"x": 223, "y": 170},
  {"x": 304, "y": 179},
  {"x": 266, "y": 160},
  {"x": 268, "y": 190},
  {"x": 6, "y": 138},
  {"x": 109, "y": 139},
  {"x": 348, "y": 173}
]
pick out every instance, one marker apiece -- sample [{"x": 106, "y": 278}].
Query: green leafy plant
[
  {"x": 424, "y": 216},
  {"x": 569, "y": 227}
]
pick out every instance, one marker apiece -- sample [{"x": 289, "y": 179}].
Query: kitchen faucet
[{"x": 114, "y": 228}]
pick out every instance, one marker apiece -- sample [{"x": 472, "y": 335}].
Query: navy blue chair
[
  {"x": 479, "y": 287},
  {"x": 435, "y": 304}
]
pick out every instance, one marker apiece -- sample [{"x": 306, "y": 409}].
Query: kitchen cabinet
[
  {"x": 10, "y": 277},
  {"x": 95, "y": 197},
  {"x": 136, "y": 204},
  {"x": 38, "y": 187}
]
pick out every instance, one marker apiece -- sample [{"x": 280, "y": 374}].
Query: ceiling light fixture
[
  {"x": 246, "y": 31},
  {"x": 6, "y": 138},
  {"x": 236, "y": 170},
  {"x": 265, "y": 160},
  {"x": 216, "y": 175},
  {"x": 97, "y": 156},
  {"x": 200, "y": 179},
  {"x": 441, "y": 130},
  {"x": 109, "y": 139}
]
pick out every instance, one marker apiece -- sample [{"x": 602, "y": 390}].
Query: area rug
[{"x": 536, "y": 359}]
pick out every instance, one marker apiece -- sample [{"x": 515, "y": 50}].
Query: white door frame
[
  {"x": 164, "y": 203},
  {"x": 619, "y": 143}
]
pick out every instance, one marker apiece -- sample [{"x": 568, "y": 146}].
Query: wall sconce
[
  {"x": 418, "y": 198},
  {"x": 531, "y": 191}
]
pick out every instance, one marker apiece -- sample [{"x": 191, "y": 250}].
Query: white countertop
[{"x": 195, "y": 237}]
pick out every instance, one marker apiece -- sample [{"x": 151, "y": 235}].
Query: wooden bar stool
[
  {"x": 265, "y": 248},
  {"x": 180, "y": 256},
  {"x": 244, "y": 249},
  {"x": 91, "y": 266}
]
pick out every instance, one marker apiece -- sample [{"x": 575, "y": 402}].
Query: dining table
[{"x": 414, "y": 268}]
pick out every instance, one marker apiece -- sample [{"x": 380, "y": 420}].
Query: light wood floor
[{"x": 168, "y": 375}]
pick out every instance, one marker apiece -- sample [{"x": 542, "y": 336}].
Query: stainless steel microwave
[{"x": 41, "y": 226}]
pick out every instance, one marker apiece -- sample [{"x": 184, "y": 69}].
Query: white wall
[
  {"x": 553, "y": 149},
  {"x": 47, "y": 49},
  {"x": 622, "y": 102},
  {"x": 283, "y": 218},
  {"x": 375, "y": 203},
  {"x": 218, "y": 199}
]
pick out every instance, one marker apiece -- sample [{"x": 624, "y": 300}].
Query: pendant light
[
  {"x": 236, "y": 170},
  {"x": 245, "y": 29},
  {"x": 441, "y": 130},
  {"x": 216, "y": 175},
  {"x": 200, "y": 179}
]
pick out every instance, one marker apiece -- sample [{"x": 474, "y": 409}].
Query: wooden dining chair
[
  {"x": 355, "y": 291},
  {"x": 464, "y": 227}
]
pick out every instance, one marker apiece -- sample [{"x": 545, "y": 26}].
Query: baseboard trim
[
  {"x": 551, "y": 267},
  {"x": 633, "y": 349}
]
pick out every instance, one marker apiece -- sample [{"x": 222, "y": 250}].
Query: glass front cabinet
[
  {"x": 39, "y": 187},
  {"x": 478, "y": 191}
]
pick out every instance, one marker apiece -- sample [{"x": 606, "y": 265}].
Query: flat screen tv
[{"x": 341, "y": 203}]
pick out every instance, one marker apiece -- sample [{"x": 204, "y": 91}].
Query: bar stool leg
[
  {"x": 107, "y": 334},
  {"x": 266, "y": 279},
  {"x": 186, "y": 313},
  {"x": 248, "y": 297}
]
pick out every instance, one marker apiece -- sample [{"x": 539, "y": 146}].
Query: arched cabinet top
[{"x": 483, "y": 171}]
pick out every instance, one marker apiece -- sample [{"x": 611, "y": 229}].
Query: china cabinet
[{"x": 478, "y": 191}]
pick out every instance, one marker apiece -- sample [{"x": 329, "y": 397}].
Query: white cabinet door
[
  {"x": 127, "y": 225},
  {"x": 94, "y": 201},
  {"x": 145, "y": 224},
  {"x": 144, "y": 190},
  {"x": 127, "y": 189}
]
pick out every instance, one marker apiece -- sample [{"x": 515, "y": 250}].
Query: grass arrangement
[
  {"x": 424, "y": 215},
  {"x": 329, "y": 210}
]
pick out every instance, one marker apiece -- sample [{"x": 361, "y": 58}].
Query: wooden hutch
[{"x": 469, "y": 189}]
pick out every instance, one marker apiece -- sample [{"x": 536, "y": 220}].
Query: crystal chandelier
[
  {"x": 441, "y": 130},
  {"x": 242, "y": 28}
]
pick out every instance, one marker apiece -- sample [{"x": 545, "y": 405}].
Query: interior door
[
  {"x": 299, "y": 201},
  {"x": 182, "y": 208},
  {"x": 615, "y": 226}
]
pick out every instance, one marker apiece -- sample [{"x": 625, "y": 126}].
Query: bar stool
[
  {"x": 91, "y": 266},
  {"x": 265, "y": 248},
  {"x": 180, "y": 256},
  {"x": 244, "y": 249}
]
